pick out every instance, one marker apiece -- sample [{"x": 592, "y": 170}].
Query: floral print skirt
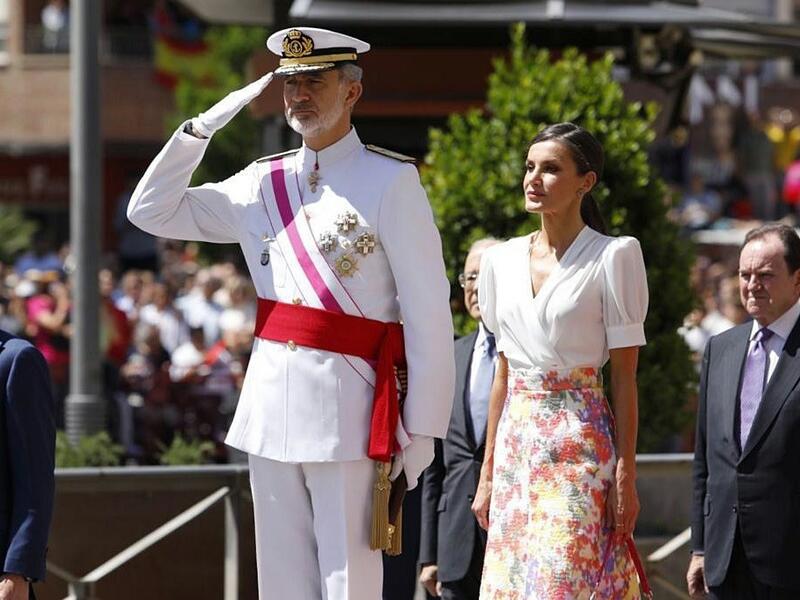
[{"x": 553, "y": 466}]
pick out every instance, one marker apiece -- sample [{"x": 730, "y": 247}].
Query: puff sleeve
[
  {"x": 487, "y": 294},
  {"x": 625, "y": 295}
]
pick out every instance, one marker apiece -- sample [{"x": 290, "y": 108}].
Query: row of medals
[
  {"x": 364, "y": 243},
  {"x": 346, "y": 224},
  {"x": 347, "y": 263}
]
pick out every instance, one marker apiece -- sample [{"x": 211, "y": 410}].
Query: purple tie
[{"x": 755, "y": 376}]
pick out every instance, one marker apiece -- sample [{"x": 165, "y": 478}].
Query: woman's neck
[{"x": 558, "y": 233}]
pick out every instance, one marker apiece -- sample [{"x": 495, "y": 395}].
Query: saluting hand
[{"x": 219, "y": 115}]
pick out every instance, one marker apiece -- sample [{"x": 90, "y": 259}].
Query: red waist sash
[{"x": 345, "y": 334}]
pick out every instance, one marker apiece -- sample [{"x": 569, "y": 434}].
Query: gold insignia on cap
[
  {"x": 346, "y": 265},
  {"x": 297, "y": 44}
]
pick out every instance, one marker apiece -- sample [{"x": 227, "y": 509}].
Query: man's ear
[{"x": 354, "y": 91}]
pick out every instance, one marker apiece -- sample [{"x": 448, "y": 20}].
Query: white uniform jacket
[{"x": 299, "y": 404}]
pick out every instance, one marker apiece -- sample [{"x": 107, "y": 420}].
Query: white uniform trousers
[{"x": 312, "y": 523}]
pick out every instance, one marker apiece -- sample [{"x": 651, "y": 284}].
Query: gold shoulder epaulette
[
  {"x": 390, "y": 154},
  {"x": 278, "y": 155}
]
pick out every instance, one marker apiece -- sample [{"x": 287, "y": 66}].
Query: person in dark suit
[
  {"x": 400, "y": 572},
  {"x": 746, "y": 506},
  {"x": 452, "y": 545},
  {"x": 27, "y": 453}
]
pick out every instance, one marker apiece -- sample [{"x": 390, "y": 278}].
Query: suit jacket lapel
[
  {"x": 461, "y": 405},
  {"x": 783, "y": 380},
  {"x": 732, "y": 362}
]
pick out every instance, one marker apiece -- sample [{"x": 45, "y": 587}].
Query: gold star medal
[{"x": 346, "y": 265}]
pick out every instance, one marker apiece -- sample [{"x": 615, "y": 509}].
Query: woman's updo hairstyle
[{"x": 587, "y": 154}]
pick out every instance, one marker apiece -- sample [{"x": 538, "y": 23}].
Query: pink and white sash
[{"x": 318, "y": 282}]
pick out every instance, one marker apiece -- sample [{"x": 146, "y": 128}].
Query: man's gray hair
[{"x": 350, "y": 72}]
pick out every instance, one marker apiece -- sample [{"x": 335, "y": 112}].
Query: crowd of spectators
[
  {"x": 730, "y": 173},
  {"x": 716, "y": 287},
  {"x": 175, "y": 341},
  {"x": 738, "y": 168}
]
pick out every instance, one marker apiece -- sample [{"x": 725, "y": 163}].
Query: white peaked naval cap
[{"x": 308, "y": 49}]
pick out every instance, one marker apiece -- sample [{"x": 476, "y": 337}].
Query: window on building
[
  {"x": 3, "y": 31},
  {"x": 46, "y": 26}
]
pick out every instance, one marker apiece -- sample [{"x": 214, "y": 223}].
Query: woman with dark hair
[{"x": 557, "y": 489}]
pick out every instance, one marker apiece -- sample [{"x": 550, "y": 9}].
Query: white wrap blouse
[{"x": 594, "y": 299}]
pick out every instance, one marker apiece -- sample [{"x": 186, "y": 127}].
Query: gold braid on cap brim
[
  {"x": 322, "y": 58},
  {"x": 299, "y": 69}
]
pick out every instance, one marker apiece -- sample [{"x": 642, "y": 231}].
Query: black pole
[{"x": 85, "y": 411}]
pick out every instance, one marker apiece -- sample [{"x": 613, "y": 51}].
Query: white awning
[
  {"x": 542, "y": 12},
  {"x": 239, "y": 12}
]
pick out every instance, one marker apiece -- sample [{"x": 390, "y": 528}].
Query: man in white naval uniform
[{"x": 346, "y": 229}]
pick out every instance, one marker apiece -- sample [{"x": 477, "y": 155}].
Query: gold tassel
[
  {"x": 396, "y": 536},
  {"x": 380, "y": 536}
]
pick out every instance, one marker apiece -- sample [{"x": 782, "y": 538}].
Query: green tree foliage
[
  {"x": 474, "y": 175},
  {"x": 91, "y": 451},
  {"x": 186, "y": 452},
  {"x": 15, "y": 233},
  {"x": 233, "y": 147},
  {"x": 229, "y": 49}
]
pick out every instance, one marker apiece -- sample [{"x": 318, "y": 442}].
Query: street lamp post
[{"x": 85, "y": 410}]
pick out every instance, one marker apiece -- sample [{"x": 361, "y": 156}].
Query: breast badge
[
  {"x": 346, "y": 222},
  {"x": 365, "y": 243},
  {"x": 328, "y": 242},
  {"x": 313, "y": 179},
  {"x": 350, "y": 240},
  {"x": 346, "y": 265}
]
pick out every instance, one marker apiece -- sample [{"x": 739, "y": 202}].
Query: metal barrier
[
  {"x": 679, "y": 541},
  {"x": 230, "y": 483}
]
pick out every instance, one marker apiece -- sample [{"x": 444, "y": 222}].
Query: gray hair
[{"x": 350, "y": 72}]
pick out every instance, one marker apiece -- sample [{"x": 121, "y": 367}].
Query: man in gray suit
[
  {"x": 746, "y": 506},
  {"x": 452, "y": 546}
]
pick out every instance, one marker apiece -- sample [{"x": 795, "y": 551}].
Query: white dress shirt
[
  {"x": 480, "y": 381},
  {"x": 781, "y": 328}
]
